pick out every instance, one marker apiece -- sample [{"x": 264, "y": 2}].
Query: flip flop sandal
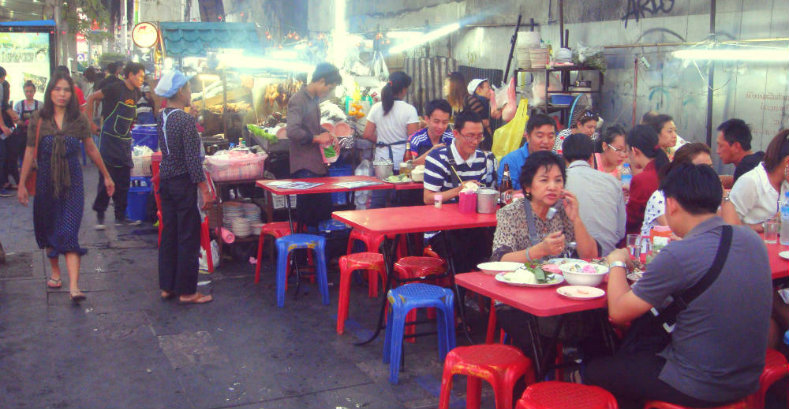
[
  {"x": 53, "y": 283},
  {"x": 166, "y": 295},
  {"x": 197, "y": 299},
  {"x": 78, "y": 297}
]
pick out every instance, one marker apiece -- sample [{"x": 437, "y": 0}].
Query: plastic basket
[
  {"x": 145, "y": 135},
  {"x": 236, "y": 167}
]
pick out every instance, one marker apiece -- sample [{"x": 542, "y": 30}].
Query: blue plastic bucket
[
  {"x": 137, "y": 198},
  {"x": 341, "y": 198},
  {"x": 145, "y": 135}
]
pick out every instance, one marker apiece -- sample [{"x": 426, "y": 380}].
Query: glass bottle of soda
[{"x": 505, "y": 188}]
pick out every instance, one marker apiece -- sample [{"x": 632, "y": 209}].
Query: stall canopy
[{"x": 194, "y": 39}]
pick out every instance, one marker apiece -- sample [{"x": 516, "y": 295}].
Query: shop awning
[{"x": 194, "y": 39}]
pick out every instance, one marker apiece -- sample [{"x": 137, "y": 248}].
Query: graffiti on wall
[{"x": 638, "y": 9}]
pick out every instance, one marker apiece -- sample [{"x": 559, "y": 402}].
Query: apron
[
  {"x": 388, "y": 146},
  {"x": 118, "y": 145}
]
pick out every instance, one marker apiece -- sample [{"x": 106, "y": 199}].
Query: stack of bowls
[
  {"x": 240, "y": 227},
  {"x": 252, "y": 216},
  {"x": 539, "y": 57},
  {"x": 526, "y": 41}
]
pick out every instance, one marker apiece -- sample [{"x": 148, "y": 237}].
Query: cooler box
[
  {"x": 340, "y": 170},
  {"x": 146, "y": 135},
  {"x": 137, "y": 198}
]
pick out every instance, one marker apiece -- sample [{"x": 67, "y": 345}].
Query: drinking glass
[
  {"x": 633, "y": 246},
  {"x": 771, "y": 227}
]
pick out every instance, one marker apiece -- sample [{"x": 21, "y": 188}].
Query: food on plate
[
  {"x": 529, "y": 274},
  {"x": 401, "y": 178}
]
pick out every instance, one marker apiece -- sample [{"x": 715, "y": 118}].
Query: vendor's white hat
[
  {"x": 473, "y": 84},
  {"x": 170, "y": 83}
]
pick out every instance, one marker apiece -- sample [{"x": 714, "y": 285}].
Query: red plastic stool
[
  {"x": 499, "y": 365},
  {"x": 415, "y": 267},
  {"x": 776, "y": 368},
  {"x": 274, "y": 229},
  {"x": 565, "y": 395},
  {"x": 372, "y": 262},
  {"x": 742, "y": 404}
]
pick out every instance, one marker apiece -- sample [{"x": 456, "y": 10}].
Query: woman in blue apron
[{"x": 389, "y": 124}]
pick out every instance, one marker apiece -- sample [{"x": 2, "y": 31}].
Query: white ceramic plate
[
  {"x": 493, "y": 267},
  {"x": 784, "y": 254},
  {"x": 580, "y": 292},
  {"x": 555, "y": 279}
]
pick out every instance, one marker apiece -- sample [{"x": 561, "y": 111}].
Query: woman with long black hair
[
  {"x": 390, "y": 123},
  {"x": 645, "y": 152},
  {"x": 53, "y": 141}
]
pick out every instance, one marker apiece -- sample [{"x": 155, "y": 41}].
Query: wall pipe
[{"x": 710, "y": 77}]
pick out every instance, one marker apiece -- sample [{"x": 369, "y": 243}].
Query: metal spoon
[{"x": 571, "y": 246}]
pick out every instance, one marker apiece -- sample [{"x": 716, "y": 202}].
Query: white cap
[
  {"x": 170, "y": 83},
  {"x": 473, "y": 84}
]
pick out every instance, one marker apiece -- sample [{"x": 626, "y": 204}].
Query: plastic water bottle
[
  {"x": 627, "y": 177},
  {"x": 784, "y": 239}
]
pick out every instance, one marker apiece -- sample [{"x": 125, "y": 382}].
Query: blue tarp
[{"x": 194, "y": 39}]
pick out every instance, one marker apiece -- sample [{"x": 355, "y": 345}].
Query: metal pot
[
  {"x": 383, "y": 168},
  {"x": 487, "y": 200}
]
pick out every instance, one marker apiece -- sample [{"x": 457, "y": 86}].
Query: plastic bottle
[
  {"x": 627, "y": 177},
  {"x": 784, "y": 239}
]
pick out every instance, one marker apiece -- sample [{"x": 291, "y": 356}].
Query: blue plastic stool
[
  {"x": 292, "y": 242},
  {"x": 417, "y": 295}
]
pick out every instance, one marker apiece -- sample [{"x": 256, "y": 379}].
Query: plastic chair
[
  {"x": 414, "y": 267},
  {"x": 565, "y": 395},
  {"x": 742, "y": 404},
  {"x": 500, "y": 365},
  {"x": 776, "y": 368},
  {"x": 273, "y": 229},
  {"x": 409, "y": 297},
  {"x": 371, "y": 262},
  {"x": 292, "y": 242}
]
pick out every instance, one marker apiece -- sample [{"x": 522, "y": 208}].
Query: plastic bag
[
  {"x": 203, "y": 262},
  {"x": 590, "y": 56},
  {"x": 362, "y": 197},
  {"x": 509, "y": 137}
]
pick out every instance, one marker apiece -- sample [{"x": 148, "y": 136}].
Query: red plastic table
[
  {"x": 538, "y": 302},
  {"x": 409, "y": 186},
  {"x": 778, "y": 266},
  {"x": 328, "y": 184},
  {"x": 412, "y": 219}
]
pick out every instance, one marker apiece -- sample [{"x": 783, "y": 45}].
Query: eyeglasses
[
  {"x": 478, "y": 137},
  {"x": 617, "y": 150}
]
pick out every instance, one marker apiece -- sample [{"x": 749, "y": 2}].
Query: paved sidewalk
[{"x": 125, "y": 348}]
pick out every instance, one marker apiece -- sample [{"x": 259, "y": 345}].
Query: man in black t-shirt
[
  {"x": 734, "y": 146},
  {"x": 119, "y": 108}
]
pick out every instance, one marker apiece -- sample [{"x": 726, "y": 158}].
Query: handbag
[
  {"x": 30, "y": 182},
  {"x": 651, "y": 332}
]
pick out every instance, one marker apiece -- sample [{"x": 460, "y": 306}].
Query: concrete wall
[{"x": 756, "y": 92}]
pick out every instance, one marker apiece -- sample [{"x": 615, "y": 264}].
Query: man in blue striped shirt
[
  {"x": 448, "y": 168},
  {"x": 436, "y": 135}
]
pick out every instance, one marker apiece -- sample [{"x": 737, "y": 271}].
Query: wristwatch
[{"x": 618, "y": 264}]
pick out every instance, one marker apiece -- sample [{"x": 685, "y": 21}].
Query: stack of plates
[
  {"x": 564, "y": 56},
  {"x": 230, "y": 212},
  {"x": 539, "y": 57},
  {"x": 526, "y": 41},
  {"x": 240, "y": 227}
]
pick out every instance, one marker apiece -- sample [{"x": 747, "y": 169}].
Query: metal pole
[
  {"x": 125, "y": 25},
  {"x": 710, "y": 78},
  {"x": 561, "y": 24}
]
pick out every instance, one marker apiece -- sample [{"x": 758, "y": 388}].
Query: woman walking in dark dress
[
  {"x": 181, "y": 174},
  {"x": 53, "y": 142}
]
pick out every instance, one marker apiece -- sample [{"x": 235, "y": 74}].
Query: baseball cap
[
  {"x": 473, "y": 84},
  {"x": 170, "y": 83}
]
